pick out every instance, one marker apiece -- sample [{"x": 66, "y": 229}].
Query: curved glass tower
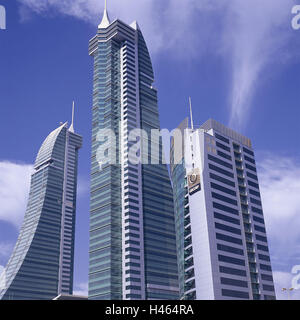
[
  {"x": 132, "y": 228},
  {"x": 41, "y": 265}
]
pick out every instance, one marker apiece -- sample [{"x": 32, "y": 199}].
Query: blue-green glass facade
[
  {"x": 132, "y": 228},
  {"x": 41, "y": 265},
  {"x": 178, "y": 175}
]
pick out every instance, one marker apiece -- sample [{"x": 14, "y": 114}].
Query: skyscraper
[
  {"x": 41, "y": 265},
  {"x": 221, "y": 235},
  {"x": 132, "y": 229}
]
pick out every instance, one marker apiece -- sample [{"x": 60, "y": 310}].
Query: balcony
[
  {"x": 244, "y": 202},
  {"x": 255, "y": 288},
  {"x": 239, "y": 165},
  {"x": 247, "y": 227},
  {"x": 249, "y": 238},
  {"x": 250, "y": 249},
  {"x": 236, "y": 148},
  {"x": 241, "y": 182},
  {"x": 254, "y": 279},
  {"x": 240, "y": 174},
  {"x": 238, "y": 155},
  {"x": 251, "y": 259}
]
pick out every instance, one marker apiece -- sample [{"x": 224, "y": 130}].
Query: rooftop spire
[
  {"x": 191, "y": 113},
  {"x": 105, "y": 20},
  {"x": 72, "y": 124}
]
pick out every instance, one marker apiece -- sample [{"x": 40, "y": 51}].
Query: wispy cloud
[
  {"x": 81, "y": 289},
  {"x": 5, "y": 249},
  {"x": 280, "y": 188},
  {"x": 250, "y": 34},
  {"x": 14, "y": 190},
  {"x": 256, "y": 35},
  {"x": 83, "y": 186}
]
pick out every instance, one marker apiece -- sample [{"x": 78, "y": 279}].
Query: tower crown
[{"x": 105, "y": 20}]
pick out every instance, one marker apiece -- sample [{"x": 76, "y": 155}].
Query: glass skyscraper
[
  {"x": 221, "y": 234},
  {"x": 132, "y": 228},
  {"x": 41, "y": 265}
]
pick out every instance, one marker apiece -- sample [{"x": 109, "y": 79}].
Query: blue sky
[{"x": 238, "y": 60}]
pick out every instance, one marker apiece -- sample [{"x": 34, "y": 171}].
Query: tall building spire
[
  {"x": 191, "y": 113},
  {"x": 72, "y": 124},
  {"x": 105, "y": 20}
]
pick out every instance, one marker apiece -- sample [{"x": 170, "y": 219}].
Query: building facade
[
  {"x": 41, "y": 265},
  {"x": 132, "y": 228},
  {"x": 221, "y": 234}
]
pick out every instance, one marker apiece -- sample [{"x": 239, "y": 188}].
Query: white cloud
[
  {"x": 14, "y": 190},
  {"x": 5, "y": 249},
  {"x": 279, "y": 178},
  {"x": 81, "y": 289},
  {"x": 280, "y": 189},
  {"x": 256, "y": 35},
  {"x": 83, "y": 186}
]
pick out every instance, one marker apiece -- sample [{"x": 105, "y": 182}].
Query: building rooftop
[{"x": 217, "y": 126}]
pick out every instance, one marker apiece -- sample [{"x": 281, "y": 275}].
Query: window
[
  {"x": 264, "y": 257},
  {"x": 265, "y": 267},
  {"x": 235, "y": 294},
  {"x": 236, "y": 272},
  {"x": 223, "y": 237},
  {"x": 251, "y": 153},
  {"x": 261, "y": 238},
  {"x": 227, "y": 228},
  {"x": 249, "y": 159},
  {"x": 256, "y": 210},
  {"x": 222, "y": 146},
  {"x": 223, "y": 198},
  {"x": 231, "y": 260},
  {"x": 252, "y": 176},
  {"x": 268, "y": 287},
  {"x": 225, "y": 248},
  {"x": 224, "y": 155},
  {"x": 253, "y": 184},
  {"x": 254, "y": 193},
  {"x": 225, "y": 208},
  {"x": 219, "y": 161},
  {"x": 226, "y": 218},
  {"x": 223, "y": 189},
  {"x": 262, "y": 248},
  {"x": 218, "y": 136},
  {"x": 254, "y": 201},
  {"x": 250, "y": 167},
  {"x": 220, "y": 170},
  {"x": 132, "y": 280},
  {"x": 260, "y": 229},
  {"x": 257, "y": 219},
  {"x": 266, "y": 277},
  {"x": 223, "y": 180},
  {"x": 233, "y": 282}
]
